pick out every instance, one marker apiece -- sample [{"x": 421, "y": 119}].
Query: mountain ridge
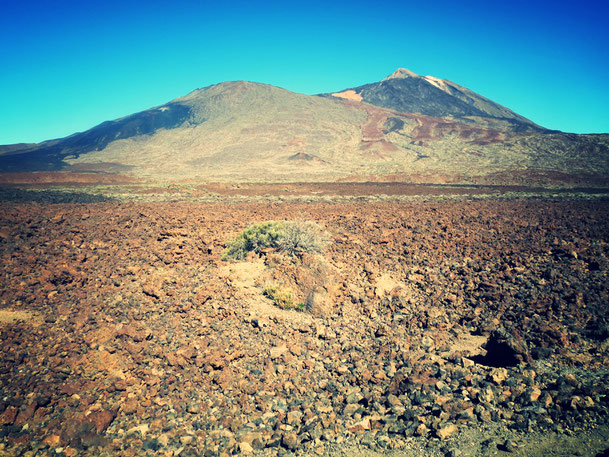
[
  {"x": 247, "y": 131},
  {"x": 406, "y": 91}
]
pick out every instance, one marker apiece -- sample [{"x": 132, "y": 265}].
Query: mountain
[
  {"x": 50, "y": 155},
  {"x": 245, "y": 131},
  {"x": 408, "y": 92},
  {"x": 230, "y": 129}
]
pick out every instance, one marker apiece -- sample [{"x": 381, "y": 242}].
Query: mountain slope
[
  {"x": 229, "y": 129},
  {"x": 50, "y": 155},
  {"x": 408, "y": 92},
  {"x": 242, "y": 131}
]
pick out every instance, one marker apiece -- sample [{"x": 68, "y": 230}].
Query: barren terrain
[
  {"x": 456, "y": 328},
  {"x": 406, "y": 126},
  {"x": 66, "y": 187}
]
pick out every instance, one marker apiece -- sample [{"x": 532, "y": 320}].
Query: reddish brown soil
[
  {"x": 139, "y": 341},
  {"x": 335, "y": 189},
  {"x": 370, "y": 189},
  {"x": 546, "y": 178},
  {"x": 432, "y": 128},
  {"x": 515, "y": 180},
  {"x": 372, "y": 130},
  {"x": 58, "y": 177}
]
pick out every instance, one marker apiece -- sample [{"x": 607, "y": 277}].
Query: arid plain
[{"x": 438, "y": 321}]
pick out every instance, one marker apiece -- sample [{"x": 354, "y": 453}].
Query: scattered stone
[
  {"x": 290, "y": 440},
  {"x": 142, "y": 429},
  {"x": 422, "y": 430},
  {"x": 393, "y": 400},
  {"x": 360, "y": 426},
  {"x": 294, "y": 417},
  {"x": 101, "y": 419},
  {"x": 186, "y": 440},
  {"x": 499, "y": 375},
  {"x": 163, "y": 440},
  {"x": 446, "y": 431},
  {"x": 8, "y": 416},
  {"x": 533, "y": 394},
  {"x": 351, "y": 409},
  {"x": 278, "y": 351},
  {"x": 354, "y": 398},
  {"x": 165, "y": 350},
  {"x": 509, "y": 446},
  {"x": 130, "y": 406},
  {"x": 245, "y": 448}
]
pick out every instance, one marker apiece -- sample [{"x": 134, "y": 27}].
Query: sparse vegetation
[
  {"x": 299, "y": 237},
  {"x": 254, "y": 239},
  {"x": 50, "y": 196},
  {"x": 282, "y": 297},
  {"x": 292, "y": 237}
]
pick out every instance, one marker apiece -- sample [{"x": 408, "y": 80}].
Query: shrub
[
  {"x": 303, "y": 236},
  {"x": 293, "y": 237},
  {"x": 282, "y": 297},
  {"x": 254, "y": 238}
]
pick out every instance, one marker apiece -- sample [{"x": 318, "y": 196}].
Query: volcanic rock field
[{"x": 124, "y": 333}]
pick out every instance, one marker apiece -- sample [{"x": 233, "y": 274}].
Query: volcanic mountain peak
[
  {"x": 407, "y": 92},
  {"x": 243, "y": 131},
  {"x": 438, "y": 82},
  {"x": 227, "y": 87},
  {"x": 401, "y": 73}
]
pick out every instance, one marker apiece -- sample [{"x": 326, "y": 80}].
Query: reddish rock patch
[
  {"x": 192, "y": 364},
  {"x": 62, "y": 177}
]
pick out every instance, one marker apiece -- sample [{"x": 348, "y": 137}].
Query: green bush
[
  {"x": 293, "y": 237},
  {"x": 254, "y": 238},
  {"x": 282, "y": 297}
]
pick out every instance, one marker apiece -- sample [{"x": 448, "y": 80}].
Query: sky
[{"x": 66, "y": 66}]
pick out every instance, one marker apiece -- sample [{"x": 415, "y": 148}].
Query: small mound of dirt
[{"x": 313, "y": 279}]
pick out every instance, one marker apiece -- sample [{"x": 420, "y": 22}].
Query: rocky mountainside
[
  {"x": 423, "y": 130},
  {"x": 408, "y": 92}
]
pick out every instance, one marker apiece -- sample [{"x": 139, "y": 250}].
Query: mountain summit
[
  {"x": 405, "y": 91},
  {"x": 401, "y": 73}
]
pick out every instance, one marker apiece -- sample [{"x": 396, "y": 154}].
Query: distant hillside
[
  {"x": 408, "y": 92},
  {"x": 245, "y": 131}
]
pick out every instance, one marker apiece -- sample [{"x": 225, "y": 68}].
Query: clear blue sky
[{"x": 66, "y": 66}]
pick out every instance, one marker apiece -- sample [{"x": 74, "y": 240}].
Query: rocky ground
[{"x": 447, "y": 328}]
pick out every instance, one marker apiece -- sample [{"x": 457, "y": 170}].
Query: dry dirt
[
  {"x": 527, "y": 182},
  {"x": 8, "y": 316},
  {"x": 435, "y": 329},
  {"x": 58, "y": 177}
]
